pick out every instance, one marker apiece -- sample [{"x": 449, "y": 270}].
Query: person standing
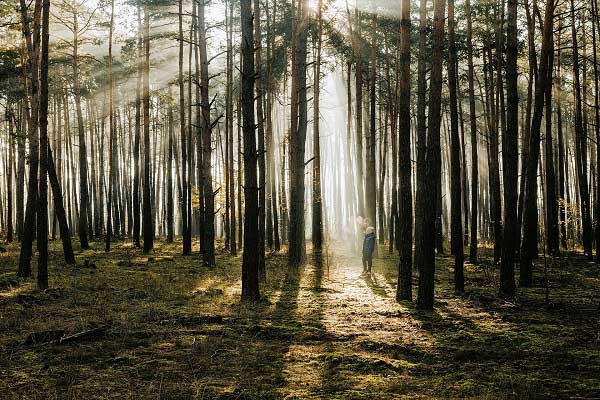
[{"x": 368, "y": 249}]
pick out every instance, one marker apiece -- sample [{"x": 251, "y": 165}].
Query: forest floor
[{"x": 126, "y": 325}]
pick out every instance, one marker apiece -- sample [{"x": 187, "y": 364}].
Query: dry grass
[{"x": 173, "y": 329}]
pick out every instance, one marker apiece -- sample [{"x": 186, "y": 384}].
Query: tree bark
[
  {"x": 425, "y": 245},
  {"x": 421, "y": 135},
  {"x": 208, "y": 253},
  {"x": 136, "y": 141},
  {"x": 317, "y": 210},
  {"x": 530, "y": 202},
  {"x": 42, "y": 198},
  {"x": 83, "y": 175},
  {"x": 510, "y": 158},
  {"x": 185, "y": 218},
  {"x": 148, "y": 225},
  {"x": 29, "y": 226},
  {"x": 405, "y": 217},
  {"x": 455, "y": 160},
  {"x": 371, "y": 176},
  {"x": 112, "y": 144},
  {"x": 250, "y": 289},
  {"x": 552, "y": 241},
  {"x": 473, "y": 128},
  {"x": 297, "y": 147},
  {"x": 262, "y": 199}
]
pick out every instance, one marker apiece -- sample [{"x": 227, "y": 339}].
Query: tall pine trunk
[
  {"x": 425, "y": 245},
  {"x": 148, "y": 225},
  {"x": 250, "y": 289},
  {"x": 473, "y": 128},
  {"x": 297, "y": 147},
  {"x": 185, "y": 195},
  {"x": 421, "y": 144},
  {"x": 261, "y": 142},
  {"x": 31, "y": 94},
  {"x": 42, "y": 198},
  {"x": 405, "y": 217},
  {"x": 208, "y": 236},
  {"x": 455, "y": 159},
  {"x": 510, "y": 158},
  {"x": 111, "y": 151},
  {"x": 136, "y": 141},
  {"x": 83, "y": 176},
  {"x": 528, "y": 249},
  {"x": 317, "y": 207}
]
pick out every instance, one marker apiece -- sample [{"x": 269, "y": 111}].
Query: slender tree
[
  {"x": 42, "y": 198},
  {"x": 260, "y": 115},
  {"x": 136, "y": 142},
  {"x": 473, "y": 127},
  {"x": 31, "y": 96},
  {"x": 404, "y": 289},
  {"x": 510, "y": 157},
  {"x": 297, "y": 146},
  {"x": 455, "y": 160},
  {"x": 185, "y": 198},
  {"x": 317, "y": 207},
  {"x": 425, "y": 245},
  {"x": 250, "y": 289},
  {"x": 208, "y": 236},
  {"x": 528, "y": 248},
  {"x": 148, "y": 225},
  {"x": 111, "y": 129}
]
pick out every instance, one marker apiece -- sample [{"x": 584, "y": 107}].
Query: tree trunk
[
  {"x": 42, "y": 198},
  {"x": 529, "y": 105},
  {"x": 111, "y": 151},
  {"x": 250, "y": 289},
  {"x": 297, "y": 246},
  {"x": 580, "y": 144},
  {"x": 317, "y": 210},
  {"x": 208, "y": 253},
  {"x": 455, "y": 160},
  {"x": 261, "y": 143},
  {"x": 425, "y": 246},
  {"x": 20, "y": 188},
  {"x": 359, "y": 117},
  {"x": 510, "y": 158},
  {"x": 185, "y": 220},
  {"x": 405, "y": 217},
  {"x": 595, "y": 26},
  {"x": 270, "y": 140},
  {"x": 421, "y": 135},
  {"x": 83, "y": 180},
  {"x": 371, "y": 178},
  {"x": 148, "y": 225},
  {"x": 169, "y": 205},
  {"x": 530, "y": 202},
  {"x": 552, "y": 242},
  {"x": 229, "y": 111},
  {"x": 136, "y": 141},
  {"x": 29, "y": 227},
  {"x": 9, "y": 175},
  {"x": 61, "y": 215}
]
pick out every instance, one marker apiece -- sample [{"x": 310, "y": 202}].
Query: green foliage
[{"x": 10, "y": 74}]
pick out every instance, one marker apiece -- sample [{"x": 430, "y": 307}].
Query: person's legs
[
  {"x": 369, "y": 263},
  {"x": 364, "y": 262}
]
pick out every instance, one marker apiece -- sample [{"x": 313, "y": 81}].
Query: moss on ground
[{"x": 164, "y": 326}]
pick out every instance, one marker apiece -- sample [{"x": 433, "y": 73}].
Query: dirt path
[{"x": 355, "y": 341}]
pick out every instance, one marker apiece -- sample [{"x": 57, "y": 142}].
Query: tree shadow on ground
[{"x": 377, "y": 288}]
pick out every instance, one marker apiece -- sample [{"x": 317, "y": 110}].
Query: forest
[{"x": 299, "y": 199}]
